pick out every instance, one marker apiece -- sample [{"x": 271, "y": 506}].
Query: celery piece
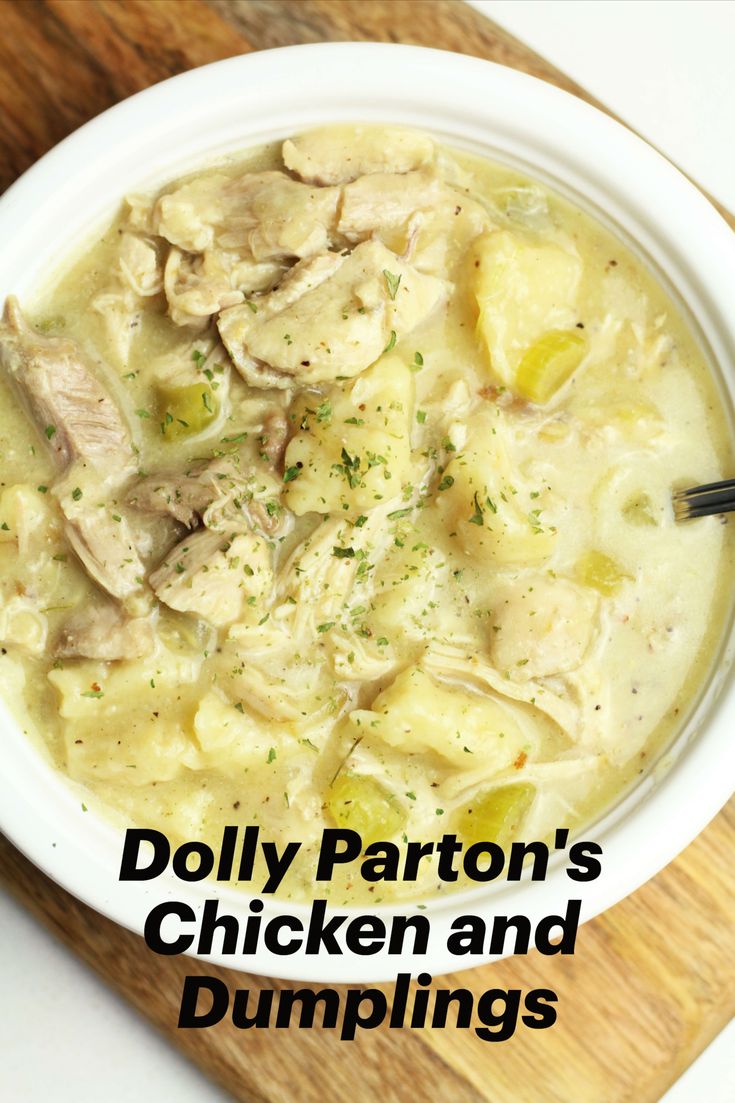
[
  {"x": 548, "y": 363},
  {"x": 599, "y": 571},
  {"x": 186, "y": 410},
  {"x": 362, "y": 804},
  {"x": 495, "y": 816},
  {"x": 638, "y": 510}
]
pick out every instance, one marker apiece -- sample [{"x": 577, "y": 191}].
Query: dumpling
[
  {"x": 339, "y": 154},
  {"x": 352, "y": 447},
  {"x": 543, "y": 627},
  {"x": 417, "y": 713},
  {"x": 523, "y": 292},
  {"x": 332, "y": 316},
  {"x": 484, "y": 504}
]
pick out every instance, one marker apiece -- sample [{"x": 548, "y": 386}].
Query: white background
[{"x": 665, "y": 66}]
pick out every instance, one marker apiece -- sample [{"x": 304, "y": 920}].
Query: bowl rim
[{"x": 197, "y": 116}]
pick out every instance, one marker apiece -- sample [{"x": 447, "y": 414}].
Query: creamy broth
[{"x": 370, "y": 525}]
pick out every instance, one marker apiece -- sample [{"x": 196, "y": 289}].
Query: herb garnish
[
  {"x": 478, "y": 517},
  {"x": 393, "y": 283}
]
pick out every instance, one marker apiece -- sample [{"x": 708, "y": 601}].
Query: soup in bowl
[{"x": 337, "y": 479}]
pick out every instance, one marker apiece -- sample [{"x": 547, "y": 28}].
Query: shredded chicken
[
  {"x": 200, "y": 285},
  {"x": 139, "y": 265},
  {"x": 315, "y": 585},
  {"x": 213, "y": 575},
  {"x": 105, "y": 632},
  {"x": 276, "y": 683},
  {"x": 90, "y": 442},
  {"x": 453, "y": 664},
  {"x": 332, "y": 316},
  {"x": 100, "y": 535},
  {"x": 339, "y": 154},
  {"x": 197, "y": 287},
  {"x": 227, "y": 492},
  {"x": 66, "y": 399}
]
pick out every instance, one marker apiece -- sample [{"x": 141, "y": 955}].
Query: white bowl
[{"x": 244, "y": 101}]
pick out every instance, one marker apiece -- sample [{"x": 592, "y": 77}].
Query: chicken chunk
[
  {"x": 200, "y": 285},
  {"x": 275, "y": 437},
  {"x": 418, "y": 215},
  {"x": 105, "y": 632},
  {"x": 226, "y": 491},
  {"x": 332, "y": 316},
  {"x": 138, "y": 275},
  {"x": 100, "y": 536},
  {"x": 138, "y": 213},
  {"x": 173, "y": 494},
  {"x": 339, "y": 154},
  {"x": 437, "y": 240},
  {"x": 138, "y": 265},
  {"x": 214, "y": 576},
  {"x": 66, "y": 400},
  {"x": 384, "y": 201},
  {"x": 260, "y": 215},
  {"x": 90, "y": 442},
  {"x": 543, "y": 628}
]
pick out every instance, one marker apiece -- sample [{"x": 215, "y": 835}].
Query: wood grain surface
[{"x": 653, "y": 980}]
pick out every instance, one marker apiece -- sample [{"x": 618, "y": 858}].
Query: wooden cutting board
[{"x": 653, "y": 980}]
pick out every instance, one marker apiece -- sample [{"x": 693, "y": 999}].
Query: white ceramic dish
[{"x": 245, "y": 101}]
